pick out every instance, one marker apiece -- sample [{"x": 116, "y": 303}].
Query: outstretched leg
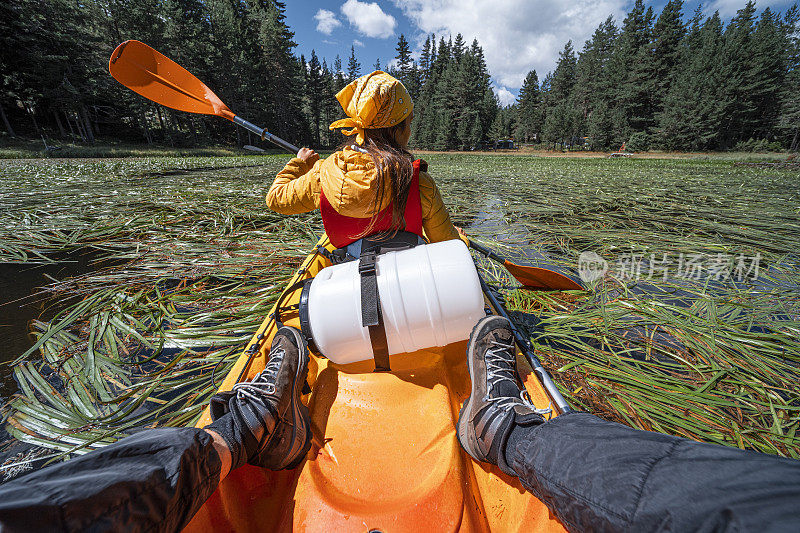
[
  {"x": 602, "y": 476},
  {"x": 156, "y": 480}
]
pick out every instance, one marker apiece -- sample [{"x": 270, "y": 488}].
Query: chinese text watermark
[{"x": 717, "y": 267}]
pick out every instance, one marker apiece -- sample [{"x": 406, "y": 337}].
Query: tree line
[
  {"x": 54, "y": 79},
  {"x": 454, "y": 104},
  {"x": 656, "y": 82},
  {"x": 661, "y": 83}
]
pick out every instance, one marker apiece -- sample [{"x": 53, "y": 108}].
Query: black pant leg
[
  {"x": 151, "y": 481},
  {"x": 597, "y": 475}
]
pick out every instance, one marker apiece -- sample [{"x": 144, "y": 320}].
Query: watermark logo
[
  {"x": 591, "y": 266},
  {"x": 717, "y": 267}
]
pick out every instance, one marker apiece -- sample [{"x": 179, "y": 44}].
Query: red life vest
[{"x": 343, "y": 230}]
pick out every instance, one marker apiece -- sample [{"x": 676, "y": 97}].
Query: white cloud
[
  {"x": 516, "y": 35},
  {"x": 728, "y": 8},
  {"x": 369, "y": 19},
  {"x": 356, "y": 42},
  {"x": 326, "y": 21},
  {"x": 505, "y": 96}
]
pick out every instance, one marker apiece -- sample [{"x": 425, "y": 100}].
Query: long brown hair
[{"x": 394, "y": 172}]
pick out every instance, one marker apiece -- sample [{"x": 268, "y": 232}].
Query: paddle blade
[
  {"x": 541, "y": 278},
  {"x": 158, "y": 78}
]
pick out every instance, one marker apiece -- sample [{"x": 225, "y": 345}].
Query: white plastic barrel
[{"x": 430, "y": 296}]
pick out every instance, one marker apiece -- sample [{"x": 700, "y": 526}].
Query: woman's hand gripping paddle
[
  {"x": 153, "y": 75},
  {"x": 531, "y": 277}
]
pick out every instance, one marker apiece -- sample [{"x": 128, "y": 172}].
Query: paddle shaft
[
  {"x": 527, "y": 350},
  {"x": 265, "y": 135},
  {"x": 487, "y": 252}
]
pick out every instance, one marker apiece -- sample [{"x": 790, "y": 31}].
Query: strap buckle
[{"x": 367, "y": 263}]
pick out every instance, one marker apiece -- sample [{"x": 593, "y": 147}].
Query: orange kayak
[{"x": 384, "y": 455}]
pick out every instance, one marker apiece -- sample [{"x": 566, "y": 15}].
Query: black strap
[
  {"x": 371, "y": 316},
  {"x": 338, "y": 255}
]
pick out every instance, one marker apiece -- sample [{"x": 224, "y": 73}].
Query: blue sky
[{"x": 516, "y": 35}]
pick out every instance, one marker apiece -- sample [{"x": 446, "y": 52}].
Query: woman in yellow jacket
[{"x": 371, "y": 174}]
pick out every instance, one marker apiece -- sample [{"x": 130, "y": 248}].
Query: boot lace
[
  {"x": 498, "y": 366},
  {"x": 498, "y": 369},
  {"x": 265, "y": 381}
]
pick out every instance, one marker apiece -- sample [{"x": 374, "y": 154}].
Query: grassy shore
[
  {"x": 20, "y": 148},
  {"x": 35, "y": 149},
  {"x": 196, "y": 260}
]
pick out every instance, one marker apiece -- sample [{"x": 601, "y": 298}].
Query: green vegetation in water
[{"x": 201, "y": 260}]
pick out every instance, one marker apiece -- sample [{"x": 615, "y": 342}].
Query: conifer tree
[
  {"x": 528, "y": 109},
  {"x": 330, "y": 106},
  {"x": 668, "y": 32},
  {"x": 353, "y": 66},
  {"x": 562, "y": 120},
  {"x": 789, "y": 119},
  {"x": 691, "y": 116},
  {"x": 406, "y": 69},
  {"x": 700, "y": 85},
  {"x": 316, "y": 92},
  {"x": 766, "y": 75},
  {"x": 425, "y": 61},
  {"x": 736, "y": 104},
  {"x": 595, "y": 91},
  {"x": 458, "y": 48},
  {"x": 339, "y": 80},
  {"x": 631, "y": 72}
]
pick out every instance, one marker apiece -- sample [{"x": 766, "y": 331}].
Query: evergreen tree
[
  {"x": 458, "y": 47},
  {"x": 528, "y": 109},
  {"x": 766, "y": 75},
  {"x": 562, "y": 120},
  {"x": 353, "y": 66},
  {"x": 631, "y": 72},
  {"x": 315, "y": 89},
  {"x": 425, "y": 61},
  {"x": 789, "y": 120},
  {"x": 330, "y": 106},
  {"x": 668, "y": 33},
  {"x": 595, "y": 90},
  {"x": 282, "y": 75},
  {"x": 339, "y": 80},
  {"x": 699, "y": 85},
  {"x": 692, "y": 112},
  {"x": 406, "y": 69},
  {"x": 564, "y": 76},
  {"x": 736, "y": 105}
]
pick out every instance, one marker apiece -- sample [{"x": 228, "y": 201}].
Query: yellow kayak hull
[{"x": 384, "y": 455}]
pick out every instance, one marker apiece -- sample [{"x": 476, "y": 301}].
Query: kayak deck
[{"x": 384, "y": 454}]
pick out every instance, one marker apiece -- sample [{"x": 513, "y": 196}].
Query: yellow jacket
[{"x": 347, "y": 177}]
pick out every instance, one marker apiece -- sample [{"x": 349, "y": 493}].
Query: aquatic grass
[
  {"x": 715, "y": 371},
  {"x": 712, "y": 360},
  {"x": 189, "y": 261}
]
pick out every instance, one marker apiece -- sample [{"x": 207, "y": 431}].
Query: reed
[{"x": 189, "y": 261}]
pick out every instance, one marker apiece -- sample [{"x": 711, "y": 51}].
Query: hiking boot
[
  {"x": 496, "y": 403},
  {"x": 266, "y": 414}
]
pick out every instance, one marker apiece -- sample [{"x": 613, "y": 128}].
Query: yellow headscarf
[{"x": 375, "y": 100}]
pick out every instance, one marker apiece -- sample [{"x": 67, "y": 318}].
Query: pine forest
[{"x": 662, "y": 81}]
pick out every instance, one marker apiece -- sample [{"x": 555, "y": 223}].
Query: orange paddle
[
  {"x": 153, "y": 75},
  {"x": 535, "y": 278}
]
